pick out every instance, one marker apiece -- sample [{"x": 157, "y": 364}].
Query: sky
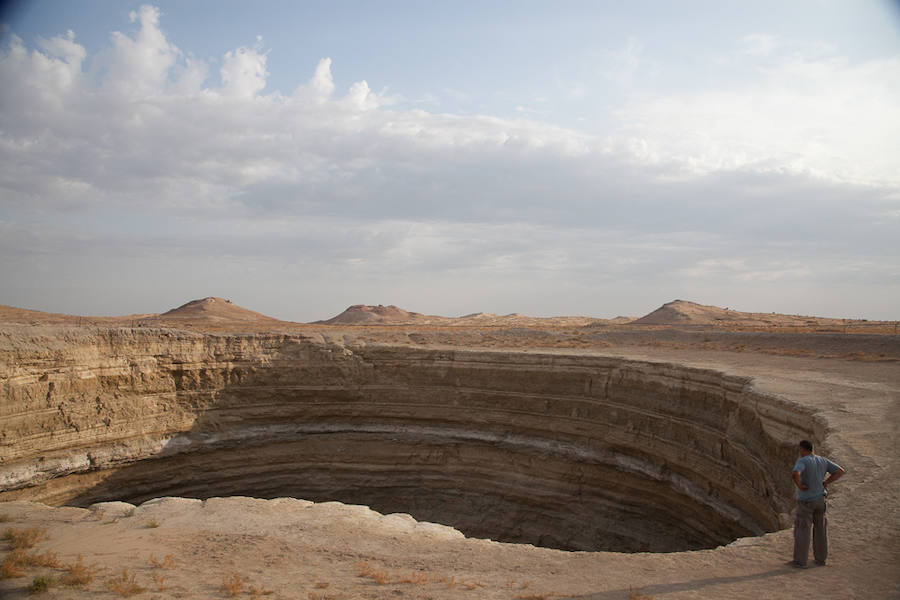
[{"x": 547, "y": 158}]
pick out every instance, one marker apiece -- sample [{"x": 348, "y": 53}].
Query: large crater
[{"x": 575, "y": 452}]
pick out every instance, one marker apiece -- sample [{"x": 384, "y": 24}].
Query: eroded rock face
[{"x": 567, "y": 451}]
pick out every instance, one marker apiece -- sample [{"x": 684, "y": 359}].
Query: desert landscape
[
  {"x": 428, "y": 300},
  {"x": 211, "y": 451}
]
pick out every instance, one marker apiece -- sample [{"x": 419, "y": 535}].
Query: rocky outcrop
[{"x": 567, "y": 451}]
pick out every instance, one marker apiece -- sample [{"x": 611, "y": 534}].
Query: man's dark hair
[{"x": 806, "y": 445}]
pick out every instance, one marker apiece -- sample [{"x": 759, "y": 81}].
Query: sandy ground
[{"x": 289, "y": 548}]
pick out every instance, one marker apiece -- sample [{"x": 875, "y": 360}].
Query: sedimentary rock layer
[{"x": 567, "y": 451}]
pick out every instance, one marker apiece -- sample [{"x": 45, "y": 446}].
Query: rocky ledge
[{"x": 567, "y": 451}]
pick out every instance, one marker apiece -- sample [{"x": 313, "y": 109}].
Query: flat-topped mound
[
  {"x": 363, "y": 314},
  {"x": 214, "y": 309},
  {"x": 685, "y": 313}
]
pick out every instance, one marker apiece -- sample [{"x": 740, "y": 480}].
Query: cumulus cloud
[
  {"x": 244, "y": 71},
  {"x": 321, "y": 85},
  {"x": 134, "y": 155},
  {"x": 140, "y": 65}
]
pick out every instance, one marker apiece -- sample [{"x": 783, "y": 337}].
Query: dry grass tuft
[
  {"x": 635, "y": 594},
  {"x": 233, "y": 584},
  {"x": 13, "y": 565},
  {"x": 381, "y": 577},
  {"x": 256, "y": 592},
  {"x": 47, "y": 559},
  {"x": 416, "y": 577},
  {"x": 24, "y": 538},
  {"x": 363, "y": 569},
  {"x": 160, "y": 582},
  {"x": 124, "y": 584},
  {"x": 166, "y": 563},
  {"x": 152, "y": 524},
  {"x": 79, "y": 573}
]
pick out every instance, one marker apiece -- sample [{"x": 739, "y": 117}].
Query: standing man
[{"x": 812, "y": 474}]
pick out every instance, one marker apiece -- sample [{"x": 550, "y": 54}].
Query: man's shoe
[
  {"x": 820, "y": 563},
  {"x": 795, "y": 564}
]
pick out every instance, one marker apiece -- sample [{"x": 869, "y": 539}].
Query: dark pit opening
[{"x": 568, "y": 452}]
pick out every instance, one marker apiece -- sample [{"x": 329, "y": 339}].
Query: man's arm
[
  {"x": 832, "y": 477},
  {"x": 798, "y": 482}
]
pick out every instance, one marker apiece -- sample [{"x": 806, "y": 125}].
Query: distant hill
[
  {"x": 213, "y": 309},
  {"x": 684, "y": 313},
  {"x": 362, "y": 314},
  {"x": 219, "y": 314}
]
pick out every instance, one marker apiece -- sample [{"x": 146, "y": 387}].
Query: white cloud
[
  {"x": 244, "y": 71},
  {"x": 321, "y": 86},
  {"x": 139, "y": 66},
  {"x": 157, "y": 164},
  {"x": 821, "y": 116}
]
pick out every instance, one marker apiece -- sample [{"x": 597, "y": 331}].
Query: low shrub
[
  {"x": 24, "y": 538},
  {"x": 233, "y": 584},
  {"x": 79, "y": 573},
  {"x": 40, "y": 584},
  {"x": 13, "y": 565},
  {"x": 124, "y": 584}
]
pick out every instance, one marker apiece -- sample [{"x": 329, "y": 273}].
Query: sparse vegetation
[
  {"x": 151, "y": 524},
  {"x": 24, "y": 538},
  {"x": 79, "y": 573},
  {"x": 13, "y": 565},
  {"x": 47, "y": 559},
  {"x": 380, "y": 577},
  {"x": 635, "y": 594},
  {"x": 166, "y": 563},
  {"x": 256, "y": 592},
  {"x": 233, "y": 584},
  {"x": 40, "y": 584},
  {"x": 416, "y": 577},
  {"x": 160, "y": 582},
  {"x": 124, "y": 584}
]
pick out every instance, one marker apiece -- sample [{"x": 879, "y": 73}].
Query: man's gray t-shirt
[{"x": 812, "y": 469}]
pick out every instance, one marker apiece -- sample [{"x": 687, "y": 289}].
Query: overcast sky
[{"x": 548, "y": 158}]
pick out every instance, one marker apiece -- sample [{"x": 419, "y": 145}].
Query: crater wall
[{"x": 568, "y": 451}]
